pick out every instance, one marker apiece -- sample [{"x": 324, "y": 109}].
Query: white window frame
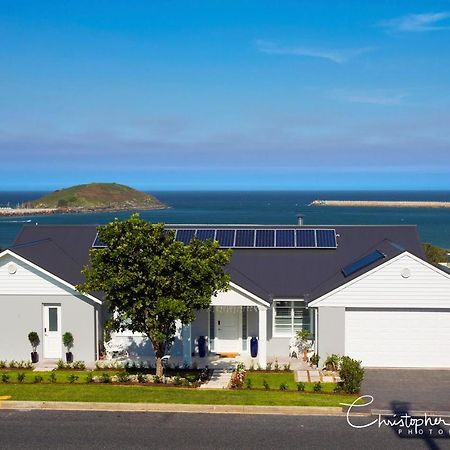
[{"x": 274, "y": 307}]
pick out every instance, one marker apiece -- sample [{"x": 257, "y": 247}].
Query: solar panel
[
  {"x": 98, "y": 243},
  {"x": 225, "y": 237},
  {"x": 205, "y": 235},
  {"x": 363, "y": 262},
  {"x": 262, "y": 238},
  {"x": 184, "y": 236},
  {"x": 306, "y": 238},
  {"x": 245, "y": 238},
  {"x": 285, "y": 238},
  {"x": 265, "y": 238},
  {"x": 326, "y": 238}
]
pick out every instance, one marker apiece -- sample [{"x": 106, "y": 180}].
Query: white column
[
  {"x": 187, "y": 352},
  {"x": 262, "y": 344}
]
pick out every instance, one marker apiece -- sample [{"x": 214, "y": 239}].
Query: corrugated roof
[{"x": 266, "y": 272}]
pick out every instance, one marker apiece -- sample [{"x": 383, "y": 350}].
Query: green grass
[
  {"x": 84, "y": 392},
  {"x": 275, "y": 379},
  {"x": 150, "y": 394}
]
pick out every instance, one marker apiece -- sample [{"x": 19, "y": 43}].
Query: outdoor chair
[{"x": 116, "y": 350}]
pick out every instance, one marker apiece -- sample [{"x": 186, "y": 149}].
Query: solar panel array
[{"x": 261, "y": 238}]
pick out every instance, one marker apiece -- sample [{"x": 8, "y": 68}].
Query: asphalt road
[{"x": 111, "y": 430}]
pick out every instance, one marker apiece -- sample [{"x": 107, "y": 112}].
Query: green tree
[
  {"x": 150, "y": 280},
  {"x": 435, "y": 255}
]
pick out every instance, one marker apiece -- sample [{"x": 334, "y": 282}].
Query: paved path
[
  {"x": 408, "y": 389},
  {"x": 118, "y": 430}
]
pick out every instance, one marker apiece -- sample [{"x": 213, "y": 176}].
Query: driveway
[{"x": 408, "y": 389}]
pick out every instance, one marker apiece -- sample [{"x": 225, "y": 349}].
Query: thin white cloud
[
  {"x": 372, "y": 97},
  {"x": 419, "y": 22},
  {"x": 338, "y": 56}
]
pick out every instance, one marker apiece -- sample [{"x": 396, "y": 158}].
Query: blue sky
[{"x": 225, "y": 95}]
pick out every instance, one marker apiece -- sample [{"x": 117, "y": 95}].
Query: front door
[
  {"x": 52, "y": 332},
  {"x": 228, "y": 329}
]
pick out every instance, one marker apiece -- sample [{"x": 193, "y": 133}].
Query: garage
[{"x": 398, "y": 337}]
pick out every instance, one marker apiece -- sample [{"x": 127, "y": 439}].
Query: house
[{"x": 363, "y": 291}]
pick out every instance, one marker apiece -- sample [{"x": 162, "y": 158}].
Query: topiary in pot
[
  {"x": 68, "y": 343},
  {"x": 33, "y": 337}
]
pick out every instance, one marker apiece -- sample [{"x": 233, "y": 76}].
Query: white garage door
[{"x": 398, "y": 338}]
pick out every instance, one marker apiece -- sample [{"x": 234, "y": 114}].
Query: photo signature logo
[{"x": 403, "y": 422}]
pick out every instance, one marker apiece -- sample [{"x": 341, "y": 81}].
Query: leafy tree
[
  {"x": 150, "y": 280},
  {"x": 434, "y": 254}
]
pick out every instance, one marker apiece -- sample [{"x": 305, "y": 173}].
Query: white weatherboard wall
[
  {"x": 396, "y": 315},
  {"x": 385, "y": 286}
]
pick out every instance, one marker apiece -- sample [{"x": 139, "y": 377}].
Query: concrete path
[{"x": 220, "y": 379}]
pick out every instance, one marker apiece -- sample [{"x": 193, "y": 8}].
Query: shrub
[
  {"x": 141, "y": 378},
  {"x": 28, "y": 365},
  {"x": 332, "y": 362},
  {"x": 60, "y": 365},
  {"x": 237, "y": 379},
  {"x": 13, "y": 364},
  {"x": 337, "y": 389},
  {"x": 269, "y": 366},
  {"x": 157, "y": 379},
  {"x": 186, "y": 382},
  {"x": 177, "y": 380},
  {"x": 287, "y": 367},
  {"x": 276, "y": 366},
  {"x": 248, "y": 383},
  {"x": 52, "y": 377},
  {"x": 20, "y": 377},
  {"x": 314, "y": 360},
  {"x": 105, "y": 378},
  {"x": 5, "y": 378},
  {"x": 122, "y": 377},
  {"x": 283, "y": 387},
  {"x": 72, "y": 378},
  {"x": 351, "y": 374},
  {"x": 79, "y": 365},
  {"x": 3, "y": 364},
  {"x": 89, "y": 377},
  {"x": 266, "y": 385},
  {"x": 301, "y": 386},
  {"x": 37, "y": 379},
  {"x": 317, "y": 387}
]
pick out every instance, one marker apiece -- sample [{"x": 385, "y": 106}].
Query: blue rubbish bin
[
  {"x": 202, "y": 346},
  {"x": 254, "y": 346}
]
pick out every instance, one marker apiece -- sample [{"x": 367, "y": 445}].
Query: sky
[{"x": 217, "y": 95}]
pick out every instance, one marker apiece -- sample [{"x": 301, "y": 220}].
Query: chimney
[{"x": 300, "y": 219}]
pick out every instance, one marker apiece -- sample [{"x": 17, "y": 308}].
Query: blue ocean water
[{"x": 275, "y": 207}]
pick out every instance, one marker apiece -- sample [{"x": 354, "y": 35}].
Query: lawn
[
  {"x": 161, "y": 394},
  {"x": 84, "y": 392}
]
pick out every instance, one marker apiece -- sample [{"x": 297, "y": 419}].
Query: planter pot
[
  {"x": 34, "y": 357},
  {"x": 69, "y": 357},
  {"x": 254, "y": 347}
]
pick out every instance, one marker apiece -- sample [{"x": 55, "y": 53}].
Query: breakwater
[{"x": 380, "y": 204}]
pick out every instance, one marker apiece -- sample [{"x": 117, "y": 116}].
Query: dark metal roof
[{"x": 266, "y": 272}]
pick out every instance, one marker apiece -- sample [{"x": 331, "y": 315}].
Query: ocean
[{"x": 275, "y": 207}]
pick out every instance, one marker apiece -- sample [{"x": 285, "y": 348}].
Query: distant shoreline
[
  {"x": 381, "y": 203},
  {"x": 18, "y": 212}
]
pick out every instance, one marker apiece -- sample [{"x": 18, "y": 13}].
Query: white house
[{"x": 364, "y": 291}]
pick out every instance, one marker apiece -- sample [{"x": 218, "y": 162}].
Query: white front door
[
  {"x": 52, "y": 332},
  {"x": 228, "y": 331}
]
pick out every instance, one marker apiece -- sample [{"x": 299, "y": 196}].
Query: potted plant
[
  {"x": 314, "y": 360},
  {"x": 304, "y": 340},
  {"x": 33, "y": 337},
  {"x": 68, "y": 343}
]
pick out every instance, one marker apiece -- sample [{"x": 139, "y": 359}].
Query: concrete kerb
[{"x": 174, "y": 407}]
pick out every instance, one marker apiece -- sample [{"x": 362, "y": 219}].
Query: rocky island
[{"x": 93, "y": 197}]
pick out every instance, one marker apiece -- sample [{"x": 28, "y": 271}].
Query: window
[
  {"x": 289, "y": 317},
  {"x": 244, "y": 329}
]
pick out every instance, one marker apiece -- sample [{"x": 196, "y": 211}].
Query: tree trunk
[{"x": 159, "y": 350}]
